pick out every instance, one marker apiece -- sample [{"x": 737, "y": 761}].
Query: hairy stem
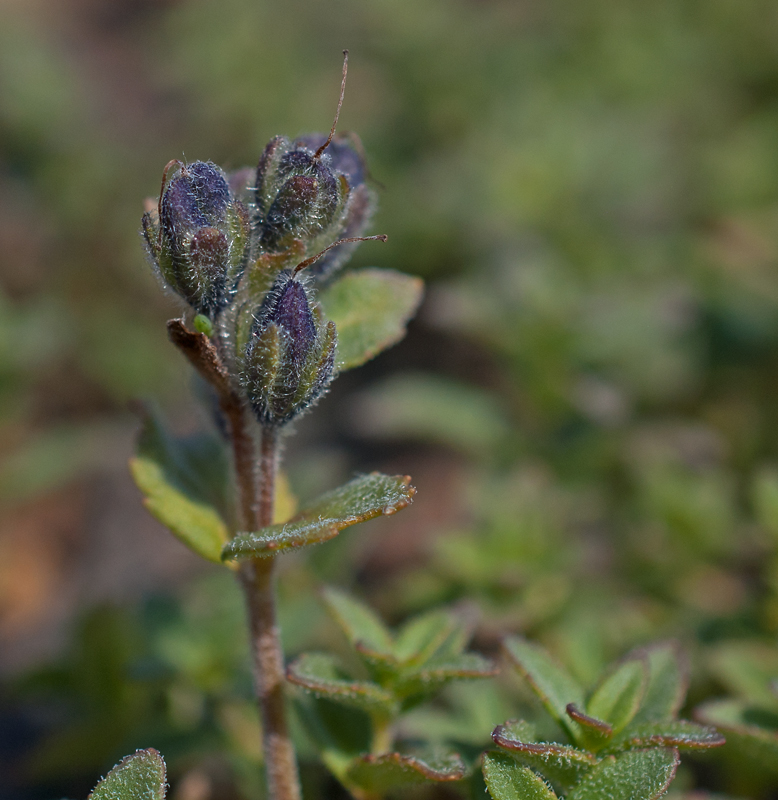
[
  {"x": 256, "y": 500},
  {"x": 280, "y": 761}
]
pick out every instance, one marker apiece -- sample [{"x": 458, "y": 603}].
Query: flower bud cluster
[{"x": 227, "y": 245}]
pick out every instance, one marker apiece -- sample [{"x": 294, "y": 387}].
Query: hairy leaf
[
  {"x": 379, "y": 774},
  {"x": 508, "y": 780},
  {"x": 370, "y": 308},
  {"x": 358, "y": 621},
  {"x": 361, "y": 499},
  {"x": 321, "y": 674},
  {"x": 555, "y": 687},
  {"x": 420, "y": 637},
  {"x": 636, "y": 775},
  {"x": 751, "y": 730},
  {"x": 667, "y": 683},
  {"x": 140, "y": 776},
  {"x": 183, "y": 481},
  {"x": 434, "y": 674},
  {"x": 617, "y": 698},
  {"x": 562, "y": 765},
  {"x": 671, "y": 733}
]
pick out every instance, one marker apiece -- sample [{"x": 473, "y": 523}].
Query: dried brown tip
[
  {"x": 308, "y": 261},
  {"x": 317, "y": 155}
]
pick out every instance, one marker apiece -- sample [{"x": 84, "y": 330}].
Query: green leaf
[
  {"x": 507, "y": 780},
  {"x": 361, "y": 499},
  {"x": 183, "y": 481},
  {"x": 322, "y": 674},
  {"x": 747, "y": 669},
  {"x": 667, "y": 683},
  {"x": 432, "y": 408},
  {"x": 339, "y": 732},
  {"x": 555, "y": 687},
  {"x": 359, "y": 622},
  {"x": 140, "y": 776},
  {"x": 751, "y": 730},
  {"x": 434, "y": 674},
  {"x": 636, "y": 775},
  {"x": 670, "y": 733},
  {"x": 562, "y": 765},
  {"x": 370, "y": 308},
  {"x": 421, "y": 636},
  {"x": 379, "y": 774},
  {"x": 592, "y": 732},
  {"x": 617, "y": 698}
]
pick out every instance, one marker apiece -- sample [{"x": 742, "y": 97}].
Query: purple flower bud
[
  {"x": 290, "y": 355},
  {"x": 297, "y": 197},
  {"x": 199, "y": 243}
]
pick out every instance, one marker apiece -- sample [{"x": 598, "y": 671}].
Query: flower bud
[
  {"x": 290, "y": 355},
  {"x": 345, "y": 157},
  {"x": 199, "y": 238},
  {"x": 298, "y": 196}
]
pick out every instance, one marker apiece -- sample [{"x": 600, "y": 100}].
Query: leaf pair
[
  {"x": 404, "y": 668},
  {"x": 401, "y": 669},
  {"x": 185, "y": 485},
  {"x": 622, "y": 736}
]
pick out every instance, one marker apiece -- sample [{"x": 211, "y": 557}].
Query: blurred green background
[{"x": 587, "y": 400}]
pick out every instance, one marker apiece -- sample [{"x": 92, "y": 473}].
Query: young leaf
[
  {"x": 745, "y": 727},
  {"x": 322, "y": 674},
  {"x": 671, "y": 733},
  {"x": 183, "y": 482},
  {"x": 617, "y": 698},
  {"x": 636, "y": 775},
  {"x": 591, "y": 732},
  {"x": 561, "y": 764},
  {"x": 140, "y": 776},
  {"x": 434, "y": 674},
  {"x": 359, "y": 622},
  {"x": 553, "y": 685},
  {"x": 379, "y": 774},
  {"x": 361, "y": 499},
  {"x": 667, "y": 683},
  {"x": 507, "y": 780},
  {"x": 370, "y": 308},
  {"x": 420, "y": 638}
]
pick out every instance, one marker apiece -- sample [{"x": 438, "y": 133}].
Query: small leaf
[
  {"x": 434, "y": 674},
  {"x": 561, "y": 764},
  {"x": 359, "y": 622},
  {"x": 667, "y": 683},
  {"x": 636, "y": 775},
  {"x": 670, "y": 733},
  {"x": 589, "y": 731},
  {"x": 339, "y": 732},
  {"x": 431, "y": 408},
  {"x": 421, "y": 636},
  {"x": 183, "y": 481},
  {"x": 140, "y": 776},
  {"x": 379, "y": 774},
  {"x": 322, "y": 674},
  {"x": 752, "y": 731},
  {"x": 555, "y": 687},
  {"x": 507, "y": 780},
  {"x": 370, "y": 308},
  {"x": 617, "y": 698},
  {"x": 359, "y": 500}
]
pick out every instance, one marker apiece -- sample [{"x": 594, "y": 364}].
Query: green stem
[{"x": 382, "y": 739}]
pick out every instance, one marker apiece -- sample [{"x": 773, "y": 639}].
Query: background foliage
[{"x": 586, "y": 402}]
